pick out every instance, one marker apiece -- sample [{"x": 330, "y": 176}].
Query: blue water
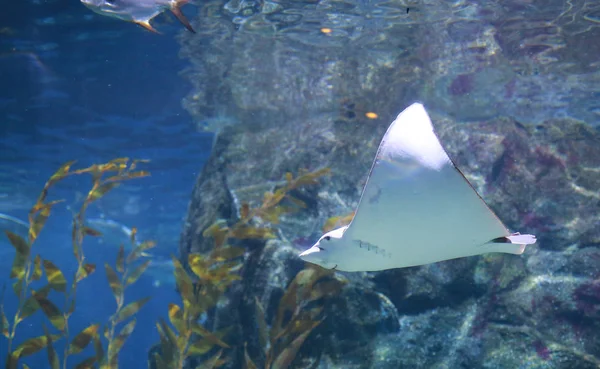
[{"x": 76, "y": 86}]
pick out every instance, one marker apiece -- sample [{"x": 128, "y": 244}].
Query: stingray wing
[{"x": 417, "y": 206}]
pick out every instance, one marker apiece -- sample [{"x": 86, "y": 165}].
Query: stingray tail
[{"x": 176, "y": 10}]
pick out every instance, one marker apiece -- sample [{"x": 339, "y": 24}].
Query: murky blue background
[{"x": 75, "y": 85}]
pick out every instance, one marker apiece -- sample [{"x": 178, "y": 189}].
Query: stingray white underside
[
  {"x": 417, "y": 208},
  {"x": 419, "y": 217}
]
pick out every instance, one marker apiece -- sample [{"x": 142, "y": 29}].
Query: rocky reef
[{"x": 300, "y": 85}]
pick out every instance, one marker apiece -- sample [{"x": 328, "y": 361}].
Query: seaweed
[
  {"x": 215, "y": 273},
  {"x": 27, "y": 268},
  {"x": 122, "y": 276},
  {"x": 298, "y": 314},
  {"x": 338, "y": 221},
  {"x": 212, "y": 274},
  {"x": 257, "y": 222}
]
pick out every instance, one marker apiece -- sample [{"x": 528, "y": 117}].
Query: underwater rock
[
  {"x": 493, "y": 311},
  {"x": 545, "y": 176}
]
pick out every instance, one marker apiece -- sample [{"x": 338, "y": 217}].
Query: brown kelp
[
  {"x": 298, "y": 313},
  {"x": 337, "y": 221},
  {"x": 28, "y": 268},
  {"x": 254, "y": 222},
  {"x": 185, "y": 336},
  {"x": 126, "y": 274},
  {"x": 212, "y": 274}
]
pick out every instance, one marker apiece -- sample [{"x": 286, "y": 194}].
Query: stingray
[{"x": 416, "y": 208}]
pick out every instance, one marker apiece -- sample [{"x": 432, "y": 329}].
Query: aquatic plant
[
  {"x": 298, "y": 314},
  {"x": 126, "y": 274},
  {"x": 337, "y": 221},
  {"x": 212, "y": 274},
  {"x": 27, "y": 268},
  {"x": 253, "y": 223}
]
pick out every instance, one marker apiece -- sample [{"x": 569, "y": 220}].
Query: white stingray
[{"x": 416, "y": 208}]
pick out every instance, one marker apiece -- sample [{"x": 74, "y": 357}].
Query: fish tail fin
[
  {"x": 147, "y": 25},
  {"x": 176, "y": 10}
]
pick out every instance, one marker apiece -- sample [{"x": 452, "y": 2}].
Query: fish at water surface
[{"x": 140, "y": 12}]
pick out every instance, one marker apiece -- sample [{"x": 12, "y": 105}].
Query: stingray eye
[
  {"x": 327, "y": 238},
  {"x": 320, "y": 248}
]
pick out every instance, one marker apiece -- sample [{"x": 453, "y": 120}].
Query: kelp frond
[
  {"x": 185, "y": 336},
  {"x": 299, "y": 312},
  {"x": 273, "y": 205},
  {"x": 212, "y": 274},
  {"x": 28, "y": 268},
  {"x": 125, "y": 273},
  {"x": 337, "y": 221}
]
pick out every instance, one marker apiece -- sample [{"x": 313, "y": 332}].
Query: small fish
[{"x": 140, "y": 12}]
